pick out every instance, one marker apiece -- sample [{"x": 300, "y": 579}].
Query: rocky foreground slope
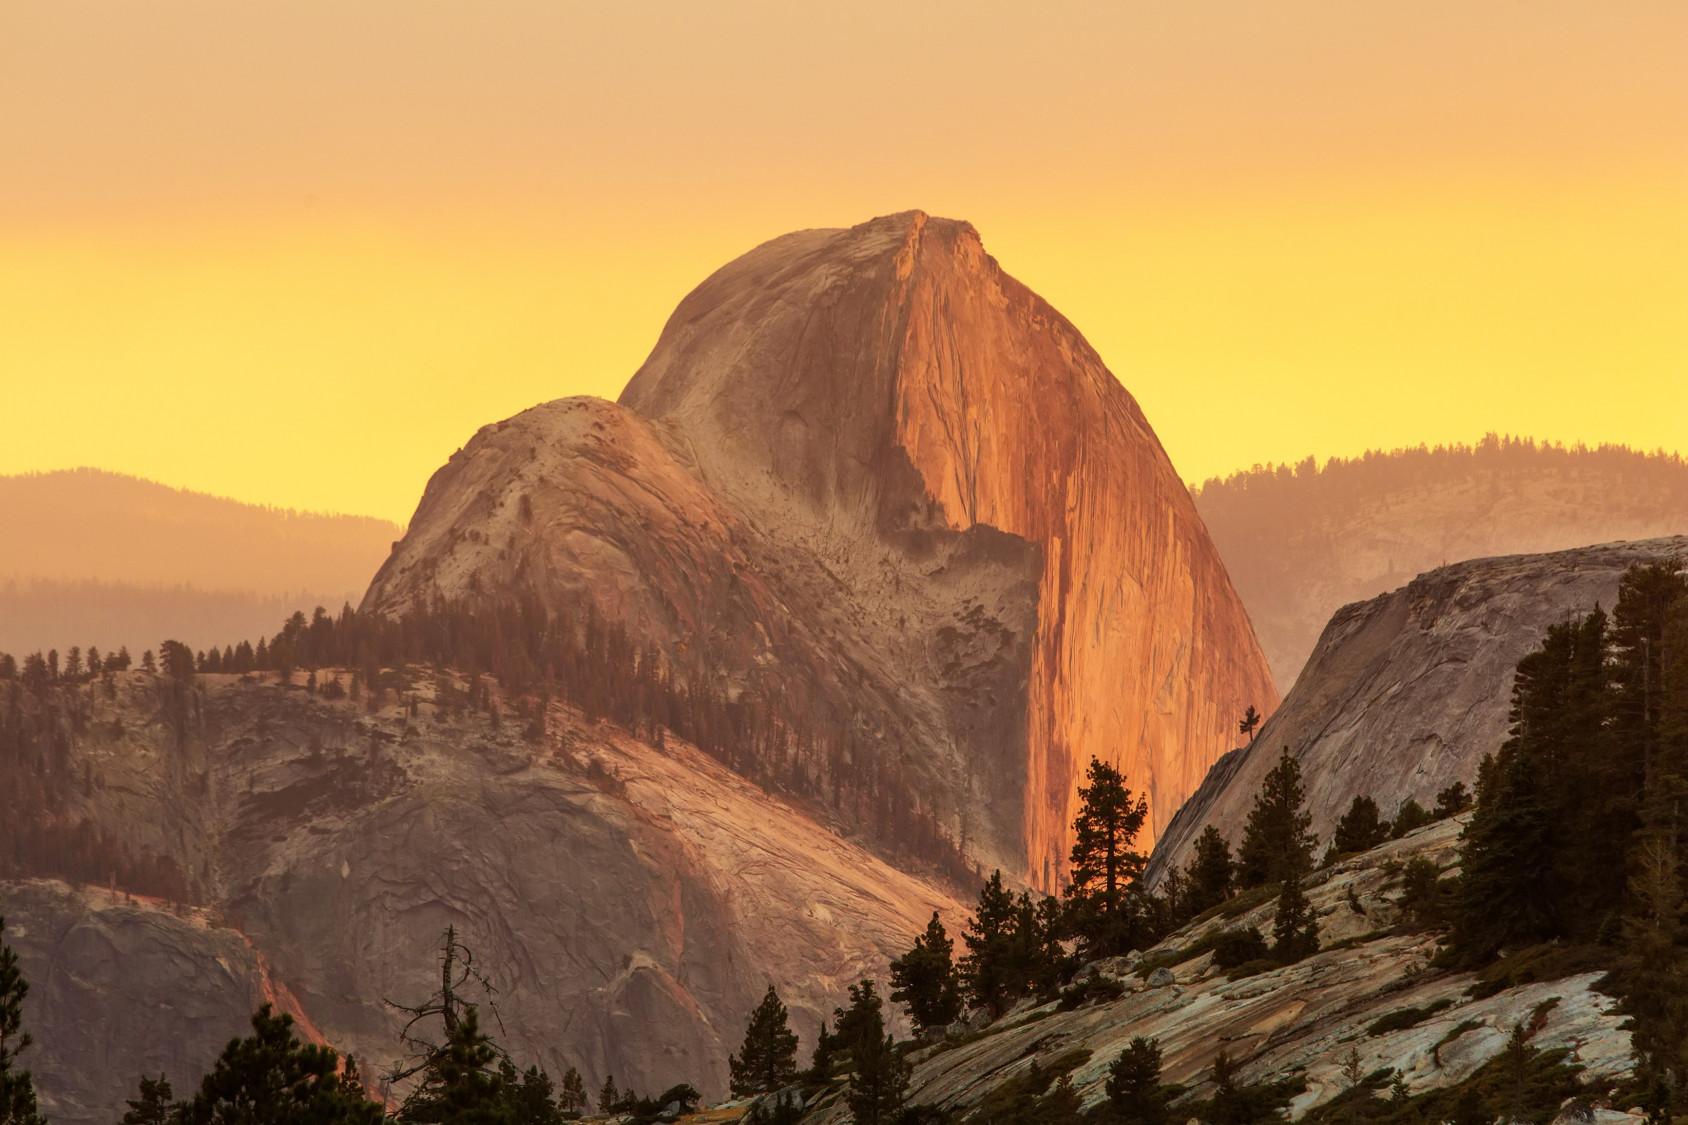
[
  {"x": 1407, "y": 692},
  {"x": 1303, "y": 1020},
  {"x": 630, "y": 903},
  {"x": 869, "y": 478}
]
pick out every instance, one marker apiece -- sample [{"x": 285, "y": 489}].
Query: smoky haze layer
[
  {"x": 1302, "y": 541},
  {"x": 99, "y": 558}
]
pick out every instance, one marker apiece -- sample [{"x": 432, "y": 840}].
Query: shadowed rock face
[
  {"x": 631, "y": 904},
  {"x": 1407, "y": 692},
  {"x": 121, "y": 987},
  {"x": 868, "y": 467}
]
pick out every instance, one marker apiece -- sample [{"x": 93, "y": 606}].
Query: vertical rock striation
[{"x": 855, "y": 387}]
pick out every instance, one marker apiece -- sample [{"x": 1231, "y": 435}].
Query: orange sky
[{"x": 297, "y": 252}]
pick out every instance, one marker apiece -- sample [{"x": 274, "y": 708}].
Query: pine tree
[
  {"x": 863, "y": 1021},
  {"x": 924, "y": 979},
  {"x": 17, "y": 1088},
  {"x": 270, "y": 1078},
  {"x": 609, "y": 1098},
  {"x": 1454, "y": 799},
  {"x": 1360, "y": 829},
  {"x": 1295, "y": 930},
  {"x": 1653, "y": 966},
  {"x": 1106, "y": 873},
  {"x": 988, "y": 969},
  {"x": 572, "y": 1097},
  {"x": 1207, "y": 879},
  {"x": 1135, "y": 1093},
  {"x": 528, "y": 1099},
  {"x": 1249, "y": 723},
  {"x": 768, "y": 1059},
  {"x": 1409, "y": 817},
  {"x": 820, "y": 1063},
  {"x": 878, "y": 1081},
  {"x": 461, "y": 1085},
  {"x": 1234, "y": 1103},
  {"x": 1276, "y": 840},
  {"x": 1526, "y": 870},
  {"x": 152, "y": 1105}
]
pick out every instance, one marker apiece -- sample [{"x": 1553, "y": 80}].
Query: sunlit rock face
[
  {"x": 867, "y": 466},
  {"x": 1407, "y": 692},
  {"x": 854, "y": 384}
]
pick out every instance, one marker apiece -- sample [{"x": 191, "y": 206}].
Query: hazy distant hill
[
  {"x": 92, "y": 557},
  {"x": 1302, "y": 541}
]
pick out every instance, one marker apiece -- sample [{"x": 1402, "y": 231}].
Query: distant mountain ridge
[
  {"x": 1302, "y": 541},
  {"x": 96, "y": 557}
]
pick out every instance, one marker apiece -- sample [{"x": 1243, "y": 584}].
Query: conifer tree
[
  {"x": 1409, "y": 817},
  {"x": 1135, "y": 1093},
  {"x": 571, "y": 1098},
  {"x": 152, "y": 1104},
  {"x": 1276, "y": 840},
  {"x": 609, "y": 1098},
  {"x": 1295, "y": 930},
  {"x": 768, "y": 1059},
  {"x": 878, "y": 1081},
  {"x": 1207, "y": 879},
  {"x": 270, "y": 1078},
  {"x": 862, "y": 1021},
  {"x": 924, "y": 979},
  {"x": 1653, "y": 968},
  {"x": 17, "y": 1088},
  {"x": 529, "y": 1098},
  {"x": 1249, "y": 723},
  {"x": 1541, "y": 800},
  {"x": 1106, "y": 873},
  {"x": 1234, "y": 1103},
  {"x": 462, "y": 1084},
  {"x": 1360, "y": 829},
  {"x": 820, "y": 1062},
  {"x": 988, "y": 970},
  {"x": 1454, "y": 799}
]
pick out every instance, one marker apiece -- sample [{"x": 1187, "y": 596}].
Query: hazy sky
[{"x": 296, "y": 252}]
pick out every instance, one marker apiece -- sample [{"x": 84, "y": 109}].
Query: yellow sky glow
[{"x": 297, "y": 253}]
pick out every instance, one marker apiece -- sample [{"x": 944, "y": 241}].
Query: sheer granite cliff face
[
  {"x": 630, "y": 903},
  {"x": 1407, "y": 692},
  {"x": 866, "y": 466}
]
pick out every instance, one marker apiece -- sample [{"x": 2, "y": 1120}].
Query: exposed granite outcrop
[
  {"x": 1301, "y": 1019},
  {"x": 1407, "y": 692},
  {"x": 631, "y": 903},
  {"x": 866, "y": 465}
]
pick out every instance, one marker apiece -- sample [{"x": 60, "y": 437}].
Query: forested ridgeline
[
  {"x": 1572, "y": 861},
  {"x": 90, "y": 524},
  {"x": 1306, "y": 490},
  {"x": 517, "y": 657}
]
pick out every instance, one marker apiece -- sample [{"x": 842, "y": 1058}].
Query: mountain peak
[{"x": 867, "y": 475}]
